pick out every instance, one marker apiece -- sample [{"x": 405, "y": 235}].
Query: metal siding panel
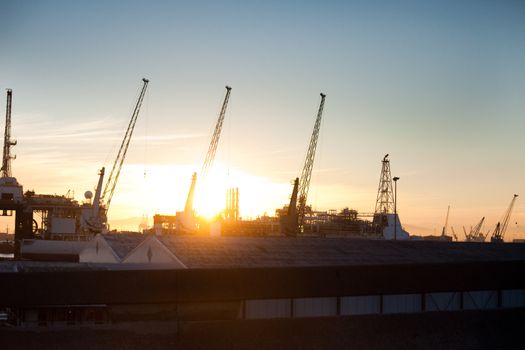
[
  {"x": 442, "y": 301},
  {"x": 267, "y": 308},
  {"x": 401, "y": 303},
  {"x": 513, "y": 298},
  {"x": 361, "y": 305},
  {"x": 479, "y": 300},
  {"x": 315, "y": 307}
]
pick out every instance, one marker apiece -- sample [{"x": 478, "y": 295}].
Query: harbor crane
[
  {"x": 111, "y": 183},
  {"x": 444, "y": 231},
  {"x": 293, "y": 221},
  {"x": 501, "y": 227},
  {"x": 475, "y": 234},
  {"x": 6, "y": 160},
  {"x": 212, "y": 149},
  {"x": 454, "y": 235},
  {"x": 289, "y": 222},
  {"x": 208, "y": 161},
  {"x": 94, "y": 220}
]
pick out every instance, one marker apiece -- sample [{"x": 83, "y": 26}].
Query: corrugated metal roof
[
  {"x": 254, "y": 252},
  {"x": 218, "y": 252},
  {"x": 122, "y": 244}
]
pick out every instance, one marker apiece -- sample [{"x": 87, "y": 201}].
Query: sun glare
[{"x": 164, "y": 190}]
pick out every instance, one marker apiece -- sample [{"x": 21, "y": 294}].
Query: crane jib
[{"x": 109, "y": 189}]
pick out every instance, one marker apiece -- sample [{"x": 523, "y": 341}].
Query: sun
[
  {"x": 210, "y": 194},
  {"x": 164, "y": 190},
  {"x": 257, "y": 195}
]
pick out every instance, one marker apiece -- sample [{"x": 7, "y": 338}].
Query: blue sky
[{"x": 437, "y": 84}]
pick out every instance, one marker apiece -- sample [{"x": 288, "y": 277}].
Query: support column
[{"x": 23, "y": 228}]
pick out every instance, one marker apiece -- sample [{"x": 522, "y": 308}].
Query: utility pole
[{"x": 395, "y": 207}]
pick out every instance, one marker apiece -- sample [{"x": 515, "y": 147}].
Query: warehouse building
[{"x": 249, "y": 278}]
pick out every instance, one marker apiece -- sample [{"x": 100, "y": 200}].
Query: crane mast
[
  {"x": 499, "y": 232},
  {"x": 6, "y": 163},
  {"x": 109, "y": 189},
  {"x": 189, "y": 201},
  {"x": 289, "y": 221},
  {"x": 306, "y": 174}
]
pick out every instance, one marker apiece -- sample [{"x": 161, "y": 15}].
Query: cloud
[{"x": 43, "y": 130}]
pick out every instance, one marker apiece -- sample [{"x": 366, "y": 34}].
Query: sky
[{"x": 439, "y": 85}]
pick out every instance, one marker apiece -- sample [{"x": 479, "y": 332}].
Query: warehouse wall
[{"x": 383, "y": 304}]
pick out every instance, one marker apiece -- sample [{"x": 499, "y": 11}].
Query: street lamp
[{"x": 395, "y": 207}]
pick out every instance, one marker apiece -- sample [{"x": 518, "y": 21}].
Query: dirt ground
[{"x": 460, "y": 330}]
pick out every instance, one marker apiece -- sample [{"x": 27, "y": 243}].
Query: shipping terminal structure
[
  {"x": 61, "y": 217},
  {"x": 293, "y": 281}
]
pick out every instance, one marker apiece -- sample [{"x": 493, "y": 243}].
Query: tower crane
[
  {"x": 111, "y": 183},
  {"x": 6, "y": 160},
  {"x": 208, "y": 161},
  {"x": 501, "y": 227},
  {"x": 293, "y": 222}
]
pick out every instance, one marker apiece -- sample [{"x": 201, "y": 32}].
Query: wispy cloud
[
  {"x": 41, "y": 128},
  {"x": 171, "y": 137},
  {"x": 37, "y": 128}
]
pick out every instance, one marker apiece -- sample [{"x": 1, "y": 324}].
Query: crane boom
[
  {"x": 6, "y": 163},
  {"x": 444, "y": 232},
  {"x": 210, "y": 156},
  {"x": 306, "y": 174},
  {"x": 499, "y": 232},
  {"x": 109, "y": 189},
  {"x": 475, "y": 233}
]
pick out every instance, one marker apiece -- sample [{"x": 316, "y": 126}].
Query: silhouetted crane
[
  {"x": 293, "y": 224},
  {"x": 444, "y": 231},
  {"x": 475, "y": 234},
  {"x": 501, "y": 227},
  {"x": 208, "y": 161},
  {"x": 109, "y": 189}
]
